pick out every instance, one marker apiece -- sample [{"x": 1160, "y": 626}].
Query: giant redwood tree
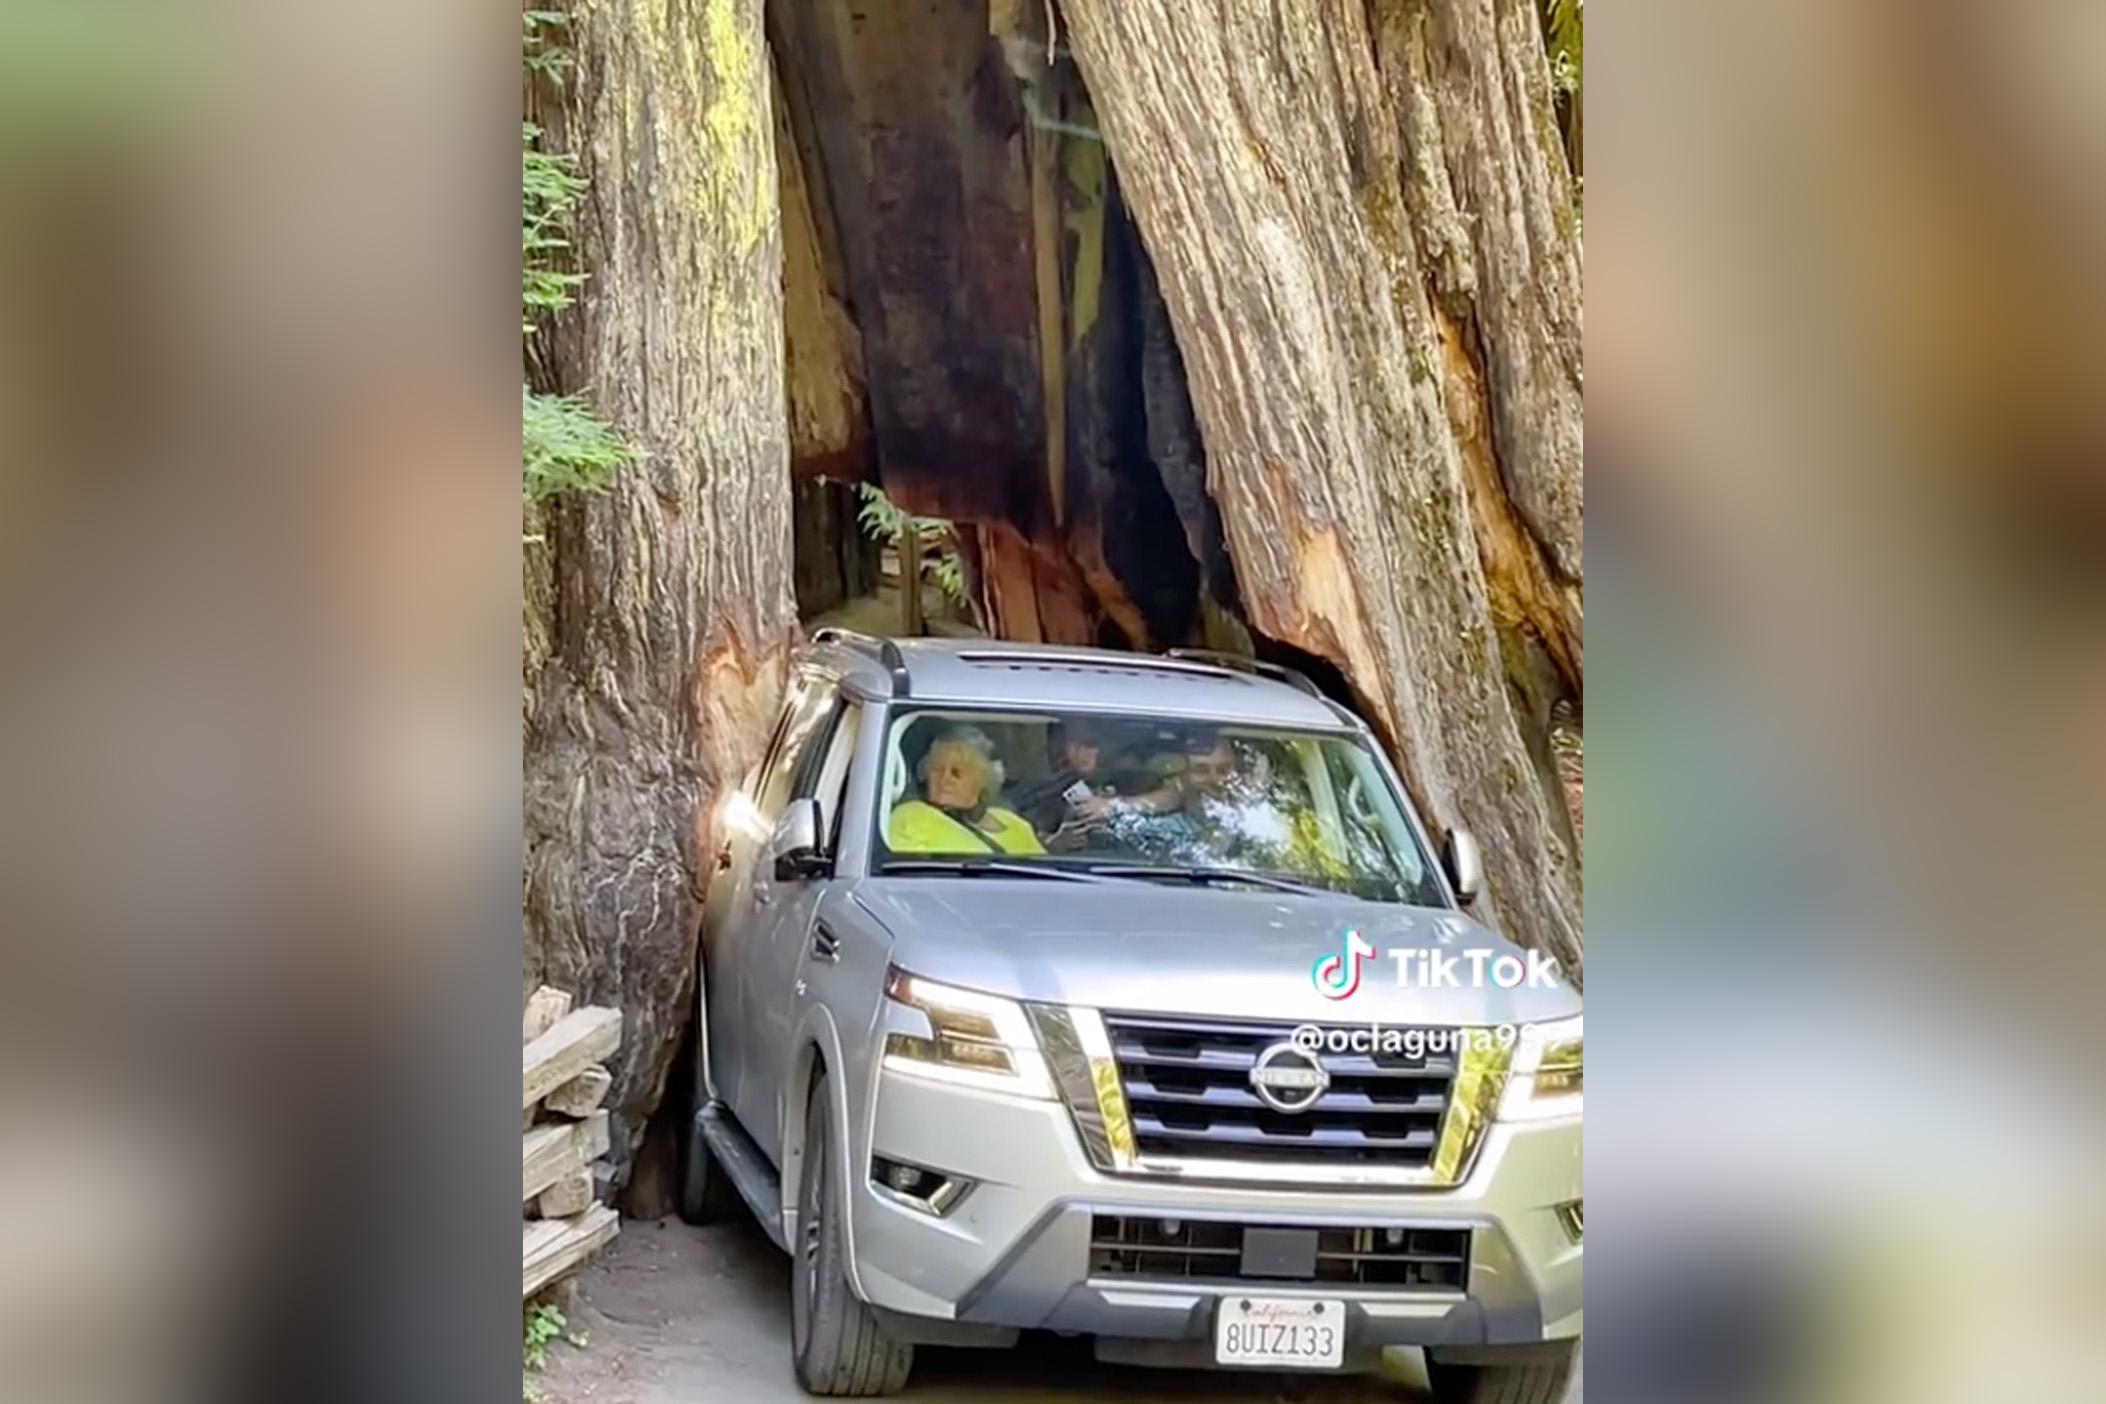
[
  {"x": 1364, "y": 227},
  {"x": 659, "y": 612}
]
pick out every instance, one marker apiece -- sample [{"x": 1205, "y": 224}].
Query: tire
[
  {"x": 707, "y": 1195},
  {"x": 838, "y": 1345},
  {"x": 1542, "y": 1380}
]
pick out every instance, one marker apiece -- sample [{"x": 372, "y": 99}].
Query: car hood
[{"x": 1141, "y": 946}]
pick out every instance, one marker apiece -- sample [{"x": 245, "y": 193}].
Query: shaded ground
[
  {"x": 675, "y": 1315},
  {"x": 879, "y": 614}
]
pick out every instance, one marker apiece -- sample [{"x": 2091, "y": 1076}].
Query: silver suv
[{"x": 1122, "y": 996}]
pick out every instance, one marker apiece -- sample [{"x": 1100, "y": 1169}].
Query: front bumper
[{"x": 1014, "y": 1252}]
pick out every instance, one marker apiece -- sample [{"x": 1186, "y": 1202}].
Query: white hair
[{"x": 959, "y": 734}]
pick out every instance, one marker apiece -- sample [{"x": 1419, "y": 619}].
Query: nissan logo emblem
[{"x": 1288, "y": 1079}]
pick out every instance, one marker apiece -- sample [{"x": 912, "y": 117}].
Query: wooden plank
[
  {"x": 539, "y": 1234},
  {"x": 573, "y": 1045},
  {"x": 547, "y": 1153},
  {"x": 582, "y": 1095},
  {"x": 559, "y": 1148},
  {"x": 553, "y": 1247},
  {"x": 570, "y": 1195},
  {"x": 544, "y": 1009}
]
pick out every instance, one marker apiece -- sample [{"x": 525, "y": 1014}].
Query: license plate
[{"x": 1291, "y": 1333}]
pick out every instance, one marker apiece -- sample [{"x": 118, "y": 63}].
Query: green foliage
[
  {"x": 540, "y": 57},
  {"x": 564, "y": 446},
  {"x": 885, "y": 522},
  {"x": 550, "y": 188},
  {"x": 949, "y": 573},
  {"x": 1563, "y": 29},
  {"x": 543, "y": 1324},
  {"x": 549, "y": 185}
]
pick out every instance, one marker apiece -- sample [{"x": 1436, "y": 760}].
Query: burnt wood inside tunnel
[{"x": 960, "y": 268}]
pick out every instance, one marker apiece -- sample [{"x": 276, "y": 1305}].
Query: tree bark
[
  {"x": 822, "y": 350},
  {"x": 895, "y": 108},
  {"x": 1362, "y": 225},
  {"x": 667, "y": 613}
]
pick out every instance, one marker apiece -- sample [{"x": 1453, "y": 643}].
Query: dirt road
[{"x": 678, "y": 1315}]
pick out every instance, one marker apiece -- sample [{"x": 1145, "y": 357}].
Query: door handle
[
  {"x": 825, "y": 945},
  {"x": 762, "y": 894}
]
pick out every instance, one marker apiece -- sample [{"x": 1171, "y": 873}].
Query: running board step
[{"x": 742, "y": 1160}]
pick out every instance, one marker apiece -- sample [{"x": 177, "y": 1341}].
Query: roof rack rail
[
  {"x": 886, "y": 651},
  {"x": 1221, "y": 658},
  {"x": 1049, "y": 657}
]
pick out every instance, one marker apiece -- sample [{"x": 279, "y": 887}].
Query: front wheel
[
  {"x": 840, "y": 1349},
  {"x": 1541, "y": 1379}
]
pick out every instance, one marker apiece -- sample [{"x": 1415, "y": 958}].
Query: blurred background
[
  {"x": 258, "y": 540},
  {"x": 1849, "y": 778},
  {"x": 258, "y": 682}
]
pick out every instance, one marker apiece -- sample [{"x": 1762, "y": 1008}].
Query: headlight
[
  {"x": 974, "y": 1039},
  {"x": 1547, "y": 1075}
]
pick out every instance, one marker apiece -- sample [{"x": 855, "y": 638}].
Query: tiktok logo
[{"x": 1338, "y": 976}]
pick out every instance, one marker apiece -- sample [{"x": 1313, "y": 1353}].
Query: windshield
[{"x": 1145, "y": 798}]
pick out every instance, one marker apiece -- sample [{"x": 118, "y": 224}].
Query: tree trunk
[
  {"x": 667, "y": 612},
  {"x": 1361, "y": 221}
]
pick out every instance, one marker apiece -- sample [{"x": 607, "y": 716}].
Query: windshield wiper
[
  {"x": 1209, "y": 877},
  {"x": 979, "y": 867}
]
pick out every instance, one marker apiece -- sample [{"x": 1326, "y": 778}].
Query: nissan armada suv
[{"x": 1125, "y": 997}]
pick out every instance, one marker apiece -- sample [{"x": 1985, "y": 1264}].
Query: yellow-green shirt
[{"x": 920, "y": 827}]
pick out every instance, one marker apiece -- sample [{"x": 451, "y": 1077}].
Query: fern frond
[{"x": 565, "y": 447}]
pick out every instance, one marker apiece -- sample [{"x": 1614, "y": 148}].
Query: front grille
[
  {"x": 1196, "y": 1250},
  {"x": 1189, "y": 1093}
]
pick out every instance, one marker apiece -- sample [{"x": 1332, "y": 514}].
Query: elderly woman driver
[{"x": 959, "y": 775}]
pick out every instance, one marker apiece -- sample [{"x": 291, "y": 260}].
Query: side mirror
[
  {"x": 794, "y": 850},
  {"x": 1464, "y": 863}
]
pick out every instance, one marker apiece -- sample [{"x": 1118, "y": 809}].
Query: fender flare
[{"x": 817, "y": 1041}]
